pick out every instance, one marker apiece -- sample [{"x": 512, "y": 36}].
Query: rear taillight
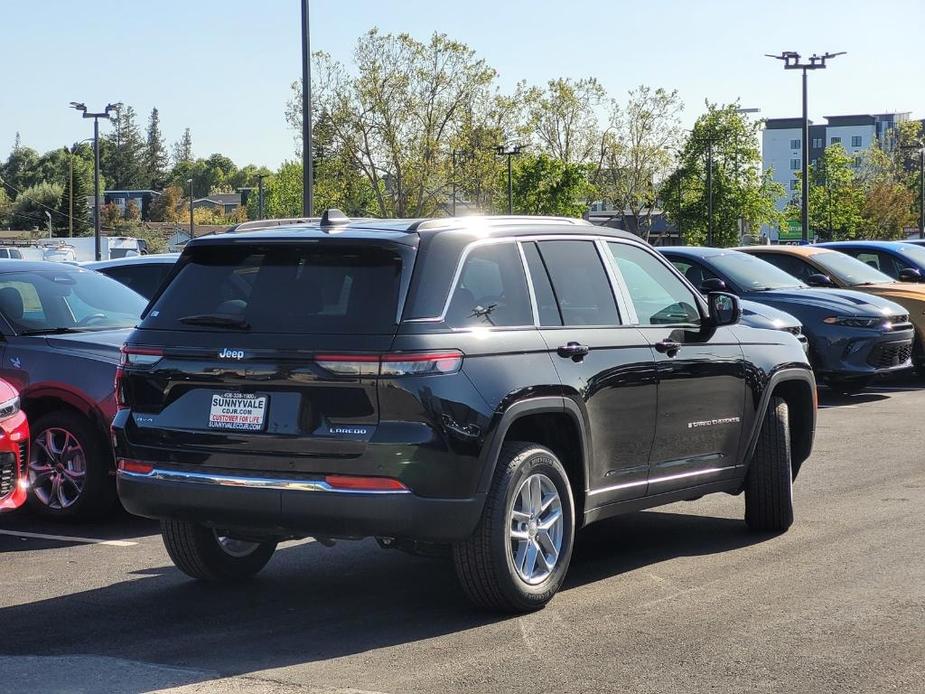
[
  {"x": 136, "y": 466},
  {"x": 392, "y": 365},
  {"x": 133, "y": 357},
  {"x": 355, "y": 483}
]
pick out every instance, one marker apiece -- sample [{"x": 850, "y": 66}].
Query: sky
[{"x": 223, "y": 68}]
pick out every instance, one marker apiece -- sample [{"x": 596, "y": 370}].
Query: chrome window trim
[
  {"x": 618, "y": 286},
  {"x": 240, "y": 481}
]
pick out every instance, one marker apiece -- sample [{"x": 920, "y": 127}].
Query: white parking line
[{"x": 68, "y": 538}]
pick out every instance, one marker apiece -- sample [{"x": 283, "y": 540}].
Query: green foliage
[
  {"x": 544, "y": 185},
  {"x": 155, "y": 154},
  {"x": 6, "y": 207},
  {"x": 563, "y": 118},
  {"x": 31, "y": 204},
  {"x": 183, "y": 149},
  {"x": 740, "y": 190},
  {"x": 83, "y": 191},
  {"x": 167, "y": 206},
  {"x": 122, "y": 160},
  {"x": 282, "y": 193},
  {"x": 20, "y": 170}
]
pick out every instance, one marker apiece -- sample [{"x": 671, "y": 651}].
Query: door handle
[
  {"x": 574, "y": 350},
  {"x": 669, "y": 347}
]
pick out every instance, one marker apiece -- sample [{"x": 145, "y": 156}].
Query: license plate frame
[{"x": 232, "y": 411}]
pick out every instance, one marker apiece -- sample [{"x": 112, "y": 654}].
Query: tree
[
  {"x": 395, "y": 118},
  {"x": 83, "y": 191},
  {"x": 166, "y": 206},
  {"x": 6, "y": 208},
  {"x": 20, "y": 170},
  {"x": 31, "y": 204},
  {"x": 282, "y": 193},
  {"x": 110, "y": 215},
  {"x": 743, "y": 195},
  {"x": 544, "y": 185},
  {"x": 183, "y": 149},
  {"x": 155, "y": 154},
  {"x": 836, "y": 198},
  {"x": 124, "y": 163},
  {"x": 636, "y": 153},
  {"x": 563, "y": 119}
]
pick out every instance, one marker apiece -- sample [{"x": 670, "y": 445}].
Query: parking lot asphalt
[{"x": 678, "y": 599}]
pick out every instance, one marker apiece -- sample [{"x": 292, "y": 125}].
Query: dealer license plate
[{"x": 238, "y": 411}]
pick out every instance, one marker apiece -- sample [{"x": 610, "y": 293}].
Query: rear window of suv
[{"x": 284, "y": 288}]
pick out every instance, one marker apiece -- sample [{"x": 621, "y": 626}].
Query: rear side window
[
  {"x": 491, "y": 290},
  {"x": 792, "y": 266},
  {"x": 580, "y": 283},
  {"x": 285, "y": 288},
  {"x": 144, "y": 279}
]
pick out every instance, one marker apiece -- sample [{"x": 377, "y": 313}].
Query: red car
[{"x": 14, "y": 449}]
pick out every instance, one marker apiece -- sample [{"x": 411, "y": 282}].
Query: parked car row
[{"x": 484, "y": 386}]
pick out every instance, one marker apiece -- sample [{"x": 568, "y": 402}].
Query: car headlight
[
  {"x": 9, "y": 408},
  {"x": 856, "y": 321}
]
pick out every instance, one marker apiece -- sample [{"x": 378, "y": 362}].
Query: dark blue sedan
[
  {"x": 901, "y": 261},
  {"x": 852, "y": 336}
]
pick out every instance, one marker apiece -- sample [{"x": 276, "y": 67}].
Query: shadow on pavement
[
  {"x": 118, "y": 525},
  {"x": 314, "y": 603}
]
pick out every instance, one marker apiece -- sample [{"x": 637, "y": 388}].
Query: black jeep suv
[{"x": 488, "y": 384}]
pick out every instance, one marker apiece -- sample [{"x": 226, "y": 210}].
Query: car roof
[
  {"x": 804, "y": 251},
  {"x": 150, "y": 259},
  {"x": 406, "y": 231},
  {"x": 885, "y": 245},
  {"x": 11, "y": 265},
  {"x": 697, "y": 251}
]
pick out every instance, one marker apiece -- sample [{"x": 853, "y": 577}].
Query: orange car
[
  {"x": 14, "y": 449},
  {"x": 824, "y": 267}
]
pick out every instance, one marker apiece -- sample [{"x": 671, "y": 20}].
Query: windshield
[
  {"x": 850, "y": 270},
  {"x": 286, "y": 288},
  {"x": 66, "y": 300},
  {"x": 916, "y": 253},
  {"x": 751, "y": 273}
]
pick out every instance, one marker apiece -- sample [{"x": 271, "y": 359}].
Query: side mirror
[
  {"x": 819, "y": 280},
  {"x": 910, "y": 274},
  {"x": 712, "y": 284},
  {"x": 724, "y": 309}
]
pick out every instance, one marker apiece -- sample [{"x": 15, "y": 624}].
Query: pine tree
[
  {"x": 83, "y": 193},
  {"x": 155, "y": 154},
  {"x": 17, "y": 142},
  {"x": 124, "y": 165},
  {"x": 183, "y": 150}
]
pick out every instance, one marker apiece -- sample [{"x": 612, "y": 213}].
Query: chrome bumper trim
[{"x": 240, "y": 481}]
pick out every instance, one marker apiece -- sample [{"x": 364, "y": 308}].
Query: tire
[
  {"x": 69, "y": 468},
  {"x": 485, "y": 562},
  {"x": 769, "y": 482},
  {"x": 198, "y": 552}
]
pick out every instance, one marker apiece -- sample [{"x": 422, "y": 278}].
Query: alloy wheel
[
  {"x": 536, "y": 527},
  {"x": 57, "y": 468},
  {"x": 234, "y": 547}
]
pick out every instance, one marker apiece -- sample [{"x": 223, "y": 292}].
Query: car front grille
[
  {"x": 794, "y": 330},
  {"x": 7, "y": 474},
  {"x": 23, "y": 455},
  {"x": 885, "y": 356}
]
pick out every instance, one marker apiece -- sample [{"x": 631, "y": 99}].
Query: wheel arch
[
  {"x": 553, "y": 422},
  {"x": 37, "y": 402},
  {"x": 798, "y": 389}
]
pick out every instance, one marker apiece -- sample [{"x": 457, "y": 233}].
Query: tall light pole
[
  {"x": 260, "y": 178},
  {"x": 190, "y": 183},
  {"x": 308, "y": 174},
  {"x": 509, "y": 152},
  {"x": 816, "y": 62},
  {"x": 96, "y": 165}
]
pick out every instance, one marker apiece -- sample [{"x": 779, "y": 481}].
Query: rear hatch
[{"x": 257, "y": 355}]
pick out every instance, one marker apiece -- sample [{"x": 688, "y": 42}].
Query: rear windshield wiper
[
  {"x": 51, "y": 331},
  {"x": 216, "y": 319}
]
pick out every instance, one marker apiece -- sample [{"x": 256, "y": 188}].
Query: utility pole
[
  {"x": 48, "y": 215},
  {"x": 509, "y": 152},
  {"x": 70, "y": 204},
  {"x": 96, "y": 164},
  {"x": 816, "y": 62},
  {"x": 710, "y": 192},
  {"x": 308, "y": 174},
  {"x": 260, "y": 178}
]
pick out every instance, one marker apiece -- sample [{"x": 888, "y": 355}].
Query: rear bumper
[{"x": 287, "y": 506}]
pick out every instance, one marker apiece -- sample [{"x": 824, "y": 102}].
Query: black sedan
[{"x": 62, "y": 330}]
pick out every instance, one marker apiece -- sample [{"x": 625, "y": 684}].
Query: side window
[
  {"x": 659, "y": 296},
  {"x": 545, "y": 298},
  {"x": 580, "y": 283},
  {"x": 16, "y": 253},
  {"x": 789, "y": 264},
  {"x": 878, "y": 261},
  {"x": 694, "y": 272},
  {"x": 491, "y": 290},
  {"x": 144, "y": 279},
  {"x": 20, "y": 302}
]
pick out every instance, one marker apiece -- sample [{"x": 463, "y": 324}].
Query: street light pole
[
  {"x": 509, "y": 152},
  {"x": 710, "y": 192},
  {"x": 96, "y": 165},
  {"x": 260, "y": 178},
  {"x": 816, "y": 62},
  {"x": 191, "y": 229},
  {"x": 70, "y": 204},
  {"x": 308, "y": 174}
]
